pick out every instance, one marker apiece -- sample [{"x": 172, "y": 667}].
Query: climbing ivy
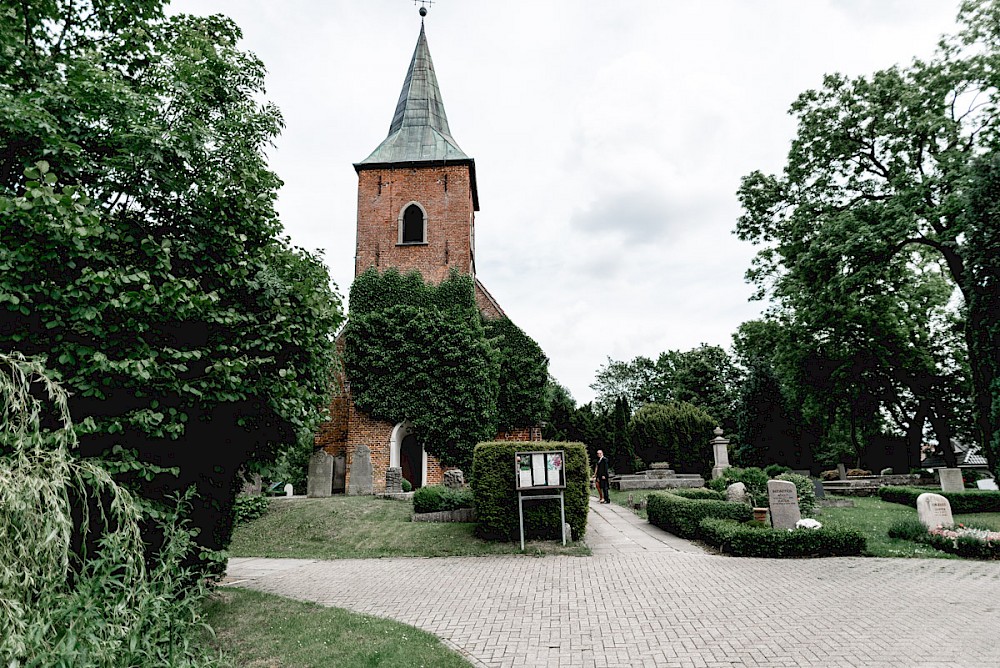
[
  {"x": 524, "y": 371},
  {"x": 419, "y": 352}
]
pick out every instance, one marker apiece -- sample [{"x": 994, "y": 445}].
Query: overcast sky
[{"x": 609, "y": 139}]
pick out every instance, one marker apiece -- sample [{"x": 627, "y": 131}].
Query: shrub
[
  {"x": 774, "y": 470},
  {"x": 969, "y": 501},
  {"x": 700, "y": 493},
  {"x": 745, "y": 540},
  {"x": 908, "y": 529},
  {"x": 754, "y": 478},
  {"x": 495, "y": 493},
  {"x": 966, "y": 546},
  {"x": 677, "y": 432},
  {"x": 438, "y": 498},
  {"x": 803, "y": 489},
  {"x": 249, "y": 508},
  {"x": 858, "y": 472},
  {"x": 681, "y": 516},
  {"x": 830, "y": 475},
  {"x": 406, "y": 485}
]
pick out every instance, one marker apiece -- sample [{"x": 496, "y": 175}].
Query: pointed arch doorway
[{"x": 408, "y": 454}]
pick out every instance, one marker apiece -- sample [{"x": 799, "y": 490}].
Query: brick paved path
[{"x": 648, "y": 599}]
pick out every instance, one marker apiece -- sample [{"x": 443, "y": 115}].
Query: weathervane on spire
[{"x": 423, "y": 6}]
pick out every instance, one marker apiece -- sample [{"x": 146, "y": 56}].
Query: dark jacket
[{"x": 602, "y": 468}]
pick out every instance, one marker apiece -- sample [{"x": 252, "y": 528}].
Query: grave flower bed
[
  {"x": 756, "y": 540},
  {"x": 966, "y": 541}
]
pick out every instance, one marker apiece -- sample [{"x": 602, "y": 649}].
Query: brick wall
[
  {"x": 444, "y": 192},
  {"x": 526, "y": 434}
]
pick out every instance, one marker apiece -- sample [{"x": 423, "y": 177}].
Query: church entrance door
[{"x": 411, "y": 460}]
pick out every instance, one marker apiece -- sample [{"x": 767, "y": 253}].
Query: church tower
[{"x": 417, "y": 194}]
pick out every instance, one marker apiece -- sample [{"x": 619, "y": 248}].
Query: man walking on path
[{"x": 602, "y": 477}]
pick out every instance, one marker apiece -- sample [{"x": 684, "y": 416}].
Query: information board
[{"x": 540, "y": 470}]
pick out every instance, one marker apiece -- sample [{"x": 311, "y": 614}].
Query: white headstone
[
  {"x": 784, "y": 503},
  {"x": 987, "y": 484},
  {"x": 934, "y": 511},
  {"x": 289, "y": 490},
  {"x": 951, "y": 480},
  {"x": 737, "y": 492}
]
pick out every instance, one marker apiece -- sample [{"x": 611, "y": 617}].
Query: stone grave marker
[
  {"x": 987, "y": 484},
  {"x": 842, "y": 471},
  {"x": 361, "y": 471},
  {"x": 737, "y": 492},
  {"x": 951, "y": 480},
  {"x": 454, "y": 479},
  {"x": 319, "y": 484},
  {"x": 289, "y": 490},
  {"x": 394, "y": 480},
  {"x": 934, "y": 511},
  {"x": 818, "y": 488},
  {"x": 784, "y": 503}
]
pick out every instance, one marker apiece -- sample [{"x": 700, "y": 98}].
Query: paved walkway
[{"x": 650, "y": 599}]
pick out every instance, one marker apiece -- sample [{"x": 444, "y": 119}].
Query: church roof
[{"x": 419, "y": 132}]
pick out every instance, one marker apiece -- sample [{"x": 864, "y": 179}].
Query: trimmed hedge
[
  {"x": 969, "y": 501},
  {"x": 752, "y": 540},
  {"x": 681, "y": 516},
  {"x": 493, "y": 486},
  {"x": 699, "y": 493},
  {"x": 438, "y": 498}
]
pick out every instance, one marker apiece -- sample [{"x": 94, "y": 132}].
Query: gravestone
[
  {"x": 339, "y": 473},
  {"x": 720, "y": 448},
  {"x": 289, "y": 490},
  {"x": 319, "y": 484},
  {"x": 784, "y": 503},
  {"x": 454, "y": 479},
  {"x": 842, "y": 471},
  {"x": 987, "y": 484},
  {"x": 361, "y": 472},
  {"x": 951, "y": 480},
  {"x": 737, "y": 492},
  {"x": 934, "y": 511},
  {"x": 394, "y": 480},
  {"x": 818, "y": 488}
]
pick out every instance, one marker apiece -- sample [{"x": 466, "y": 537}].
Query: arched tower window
[{"x": 413, "y": 225}]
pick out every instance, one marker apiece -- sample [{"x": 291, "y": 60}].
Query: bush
[
  {"x": 963, "y": 546},
  {"x": 754, "y": 478},
  {"x": 249, "y": 508},
  {"x": 495, "y": 494},
  {"x": 804, "y": 490},
  {"x": 829, "y": 475},
  {"x": 681, "y": 516},
  {"x": 744, "y": 540},
  {"x": 774, "y": 470},
  {"x": 700, "y": 493},
  {"x": 858, "y": 472},
  {"x": 677, "y": 432},
  {"x": 908, "y": 529},
  {"x": 969, "y": 501},
  {"x": 406, "y": 485},
  {"x": 438, "y": 498}
]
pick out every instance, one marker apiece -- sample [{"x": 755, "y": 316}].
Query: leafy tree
[
  {"x": 678, "y": 432},
  {"x": 154, "y": 282},
  {"x": 524, "y": 375},
  {"x": 419, "y": 352},
  {"x": 560, "y": 411},
  {"x": 872, "y": 199},
  {"x": 765, "y": 430}
]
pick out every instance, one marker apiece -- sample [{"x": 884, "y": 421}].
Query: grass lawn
[
  {"x": 363, "y": 527},
  {"x": 259, "y": 630},
  {"x": 871, "y": 516}
]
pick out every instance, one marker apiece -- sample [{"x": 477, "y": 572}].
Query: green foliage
[
  {"x": 969, "y": 501},
  {"x": 746, "y": 540},
  {"x": 493, "y": 484},
  {"x": 804, "y": 490},
  {"x": 524, "y": 374},
  {"x": 418, "y": 352},
  {"x": 438, "y": 498},
  {"x": 964, "y": 546},
  {"x": 699, "y": 493},
  {"x": 406, "y": 485},
  {"x": 94, "y": 601},
  {"x": 679, "y": 433},
  {"x": 764, "y": 428},
  {"x": 681, "y": 516},
  {"x": 909, "y": 529},
  {"x": 774, "y": 470},
  {"x": 754, "y": 478},
  {"x": 248, "y": 508},
  {"x": 186, "y": 330}
]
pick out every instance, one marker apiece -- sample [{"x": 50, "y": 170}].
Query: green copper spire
[{"x": 419, "y": 131}]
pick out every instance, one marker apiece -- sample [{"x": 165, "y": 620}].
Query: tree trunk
[
  {"x": 915, "y": 435},
  {"x": 943, "y": 432}
]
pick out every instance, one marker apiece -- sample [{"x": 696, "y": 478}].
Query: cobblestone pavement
[{"x": 649, "y": 599}]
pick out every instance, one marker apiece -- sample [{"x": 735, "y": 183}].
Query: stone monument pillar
[
  {"x": 720, "y": 448},
  {"x": 319, "y": 483}
]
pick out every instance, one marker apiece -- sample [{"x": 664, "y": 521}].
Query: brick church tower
[{"x": 417, "y": 200}]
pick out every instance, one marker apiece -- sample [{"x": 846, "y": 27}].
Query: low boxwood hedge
[
  {"x": 699, "y": 493},
  {"x": 493, "y": 485},
  {"x": 753, "y": 540},
  {"x": 681, "y": 516},
  {"x": 969, "y": 501},
  {"x": 438, "y": 498}
]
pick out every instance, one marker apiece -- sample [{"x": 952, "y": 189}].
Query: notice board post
[{"x": 541, "y": 475}]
